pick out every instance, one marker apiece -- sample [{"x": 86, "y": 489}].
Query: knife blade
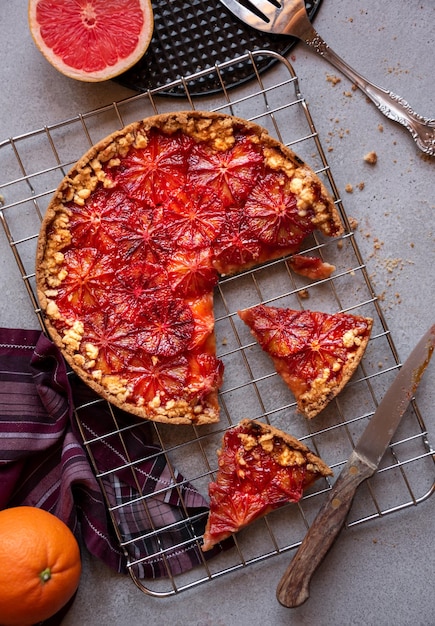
[{"x": 293, "y": 588}]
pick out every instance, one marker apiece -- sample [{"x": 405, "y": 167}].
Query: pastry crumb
[
  {"x": 353, "y": 222},
  {"x": 371, "y": 158},
  {"x": 348, "y": 188},
  {"x": 377, "y": 244},
  {"x": 334, "y": 80}
]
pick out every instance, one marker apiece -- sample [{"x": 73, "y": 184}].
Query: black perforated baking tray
[{"x": 191, "y": 36}]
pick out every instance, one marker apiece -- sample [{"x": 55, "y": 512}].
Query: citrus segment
[{"x": 91, "y": 40}]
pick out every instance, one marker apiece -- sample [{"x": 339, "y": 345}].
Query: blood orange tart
[
  {"x": 315, "y": 353},
  {"x": 136, "y": 236},
  {"x": 260, "y": 468}
]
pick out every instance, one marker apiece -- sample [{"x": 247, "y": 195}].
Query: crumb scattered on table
[
  {"x": 371, "y": 158},
  {"x": 334, "y": 80},
  {"x": 353, "y": 222}
]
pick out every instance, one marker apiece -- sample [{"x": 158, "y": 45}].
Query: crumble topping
[
  {"x": 281, "y": 453},
  {"x": 319, "y": 383},
  {"x": 73, "y": 336},
  {"x": 116, "y": 386},
  {"x": 351, "y": 338}
]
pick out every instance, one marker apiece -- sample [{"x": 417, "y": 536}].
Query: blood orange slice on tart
[
  {"x": 91, "y": 40},
  {"x": 315, "y": 353},
  {"x": 260, "y": 468},
  {"x": 134, "y": 241},
  {"x": 311, "y": 267}
]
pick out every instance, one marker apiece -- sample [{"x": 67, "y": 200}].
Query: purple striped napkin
[{"x": 43, "y": 463}]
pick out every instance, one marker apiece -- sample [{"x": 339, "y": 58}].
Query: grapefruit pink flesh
[{"x": 91, "y": 40}]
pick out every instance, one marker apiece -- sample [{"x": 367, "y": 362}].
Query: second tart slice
[{"x": 315, "y": 353}]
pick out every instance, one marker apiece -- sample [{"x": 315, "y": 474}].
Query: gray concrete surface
[{"x": 381, "y": 572}]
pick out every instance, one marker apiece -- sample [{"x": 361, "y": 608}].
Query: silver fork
[{"x": 289, "y": 17}]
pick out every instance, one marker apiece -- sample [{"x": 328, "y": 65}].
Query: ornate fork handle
[{"x": 394, "y": 107}]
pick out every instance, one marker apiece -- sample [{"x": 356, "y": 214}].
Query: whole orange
[{"x": 40, "y": 565}]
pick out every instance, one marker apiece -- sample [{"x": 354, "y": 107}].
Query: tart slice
[
  {"x": 315, "y": 353},
  {"x": 260, "y": 468},
  {"x": 135, "y": 239}
]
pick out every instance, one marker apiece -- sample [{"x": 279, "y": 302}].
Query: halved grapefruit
[{"x": 91, "y": 40}]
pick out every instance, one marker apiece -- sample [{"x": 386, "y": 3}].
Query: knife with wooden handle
[{"x": 293, "y": 588}]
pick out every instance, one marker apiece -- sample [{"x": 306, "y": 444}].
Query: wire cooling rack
[{"x": 35, "y": 163}]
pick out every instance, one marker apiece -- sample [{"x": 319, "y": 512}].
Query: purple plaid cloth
[{"x": 43, "y": 463}]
